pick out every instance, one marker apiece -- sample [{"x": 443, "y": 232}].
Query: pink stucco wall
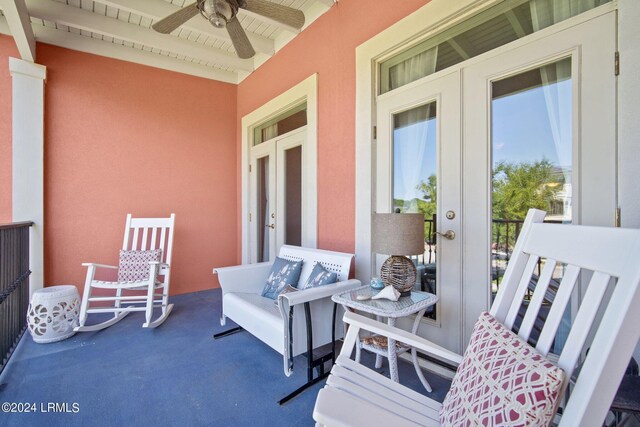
[
  {"x": 120, "y": 138},
  {"x": 327, "y": 47}
]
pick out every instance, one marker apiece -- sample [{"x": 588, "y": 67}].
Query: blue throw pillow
[
  {"x": 283, "y": 273},
  {"x": 319, "y": 276}
]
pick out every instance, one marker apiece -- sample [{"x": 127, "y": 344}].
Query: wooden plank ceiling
[{"x": 121, "y": 29}]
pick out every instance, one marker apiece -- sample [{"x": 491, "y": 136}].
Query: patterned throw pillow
[
  {"x": 501, "y": 381},
  {"x": 318, "y": 277},
  {"x": 134, "y": 265},
  {"x": 283, "y": 273}
]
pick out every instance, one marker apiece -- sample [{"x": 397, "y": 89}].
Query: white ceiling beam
[
  {"x": 462, "y": 46},
  {"x": 313, "y": 12},
  {"x": 123, "y": 53},
  {"x": 17, "y": 18},
  {"x": 158, "y": 9},
  {"x": 89, "y": 21},
  {"x": 248, "y": 13},
  {"x": 328, "y": 3},
  {"x": 517, "y": 26}
]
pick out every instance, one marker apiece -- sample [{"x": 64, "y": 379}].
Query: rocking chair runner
[
  {"x": 605, "y": 263},
  {"x": 141, "y": 234}
]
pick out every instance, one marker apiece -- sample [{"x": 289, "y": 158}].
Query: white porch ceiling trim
[
  {"x": 110, "y": 50},
  {"x": 120, "y": 29},
  {"x": 17, "y": 18},
  {"x": 158, "y": 9},
  {"x": 88, "y": 21}
]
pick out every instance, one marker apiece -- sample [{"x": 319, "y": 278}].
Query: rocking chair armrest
[
  {"x": 326, "y": 291},
  {"x": 421, "y": 344},
  {"x": 160, "y": 264},
  {"x": 93, "y": 264}
]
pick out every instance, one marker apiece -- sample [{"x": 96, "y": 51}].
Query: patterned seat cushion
[
  {"x": 502, "y": 381},
  {"x": 134, "y": 265},
  {"x": 283, "y": 273},
  {"x": 319, "y": 276}
]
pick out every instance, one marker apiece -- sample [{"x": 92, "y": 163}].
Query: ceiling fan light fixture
[
  {"x": 217, "y": 12},
  {"x": 217, "y": 21}
]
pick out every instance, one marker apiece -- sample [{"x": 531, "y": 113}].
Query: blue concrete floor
[{"x": 173, "y": 375}]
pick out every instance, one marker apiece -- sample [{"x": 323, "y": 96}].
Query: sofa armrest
[
  {"x": 249, "y": 278},
  {"x": 289, "y": 300},
  {"x": 326, "y": 291}
]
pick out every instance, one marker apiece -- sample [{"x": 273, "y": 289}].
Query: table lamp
[{"x": 397, "y": 235}]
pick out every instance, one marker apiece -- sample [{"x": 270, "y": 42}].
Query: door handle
[
  {"x": 272, "y": 226},
  {"x": 449, "y": 234}
]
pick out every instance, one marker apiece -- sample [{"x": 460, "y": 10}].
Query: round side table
[{"x": 53, "y": 313}]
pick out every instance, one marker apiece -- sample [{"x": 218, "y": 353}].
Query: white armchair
[{"x": 300, "y": 321}]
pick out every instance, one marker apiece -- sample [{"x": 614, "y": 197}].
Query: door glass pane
[
  {"x": 293, "y": 196},
  {"x": 532, "y": 134},
  {"x": 286, "y": 122},
  {"x": 495, "y": 27},
  {"x": 415, "y": 182},
  {"x": 263, "y": 204}
]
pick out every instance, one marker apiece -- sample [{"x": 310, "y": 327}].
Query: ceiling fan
[{"x": 224, "y": 14}]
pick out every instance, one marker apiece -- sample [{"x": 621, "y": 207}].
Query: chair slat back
[
  {"x": 610, "y": 257},
  {"x": 142, "y": 234}
]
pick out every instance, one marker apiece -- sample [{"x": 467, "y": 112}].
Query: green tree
[
  {"x": 520, "y": 186},
  {"x": 429, "y": 190},
  {"x": 429, "y": 203}
]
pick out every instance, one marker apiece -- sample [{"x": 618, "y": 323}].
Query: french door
[
  {"x": 419, "y": 148},
  {"x": 276, "y": 207},
  {"x": 452, "y": 145}
]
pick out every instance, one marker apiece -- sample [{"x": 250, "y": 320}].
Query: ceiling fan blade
[
  {"x": 173, "y": 21},
  {"x": 283, "y": 14},
  {"x": 239, "y": 39}
]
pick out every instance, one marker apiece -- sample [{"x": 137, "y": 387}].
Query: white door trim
[
  {"x": 307, "y": 90},
  {"x": 430, "y": 19}
]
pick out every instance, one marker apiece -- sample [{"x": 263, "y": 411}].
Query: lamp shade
[{"x": 398, "y": 234}]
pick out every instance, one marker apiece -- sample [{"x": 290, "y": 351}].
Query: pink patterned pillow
[
  {"x": 134, "y": 265},
  {"x": 501, "y": 381}
]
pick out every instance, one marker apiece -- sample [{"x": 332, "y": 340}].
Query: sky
[{"x": 521, "y": 133}]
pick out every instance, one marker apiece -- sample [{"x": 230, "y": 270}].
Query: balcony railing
[
  {"x": 505, "y": 233},
  {"x": 14, "y": 286}
]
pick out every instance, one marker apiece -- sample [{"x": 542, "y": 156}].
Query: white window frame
[
  {"x": 431, "y": 19},
  {"x": 307, "y": 90},
  {"x": 434, "y": 17}
]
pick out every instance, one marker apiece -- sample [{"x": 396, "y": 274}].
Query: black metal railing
[
  {"x": 14, "y": 286},
  {"x": 505, "y": 232}
]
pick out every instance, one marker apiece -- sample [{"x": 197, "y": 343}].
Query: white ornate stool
[{"x": 53, "y": 313}]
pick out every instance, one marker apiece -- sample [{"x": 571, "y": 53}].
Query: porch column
[{"x": 28, "y": 157}]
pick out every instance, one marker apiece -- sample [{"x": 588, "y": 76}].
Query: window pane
[
  {"x": 488, "y": 30},
  {"x": 531, "y": 125},
  {"x": 286, "y": 122},
  {"x": 293, "y": 195},
  {"x": 415, "y": 182},
  {"x": 263, "y": 209}
]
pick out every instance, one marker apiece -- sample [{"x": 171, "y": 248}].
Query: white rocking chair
[
  {"x": 140, "y": 234},
  {"x": 606, "y": 321}
]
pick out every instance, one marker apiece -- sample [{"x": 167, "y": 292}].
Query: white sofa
[{"x": 242, "y": 302}]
